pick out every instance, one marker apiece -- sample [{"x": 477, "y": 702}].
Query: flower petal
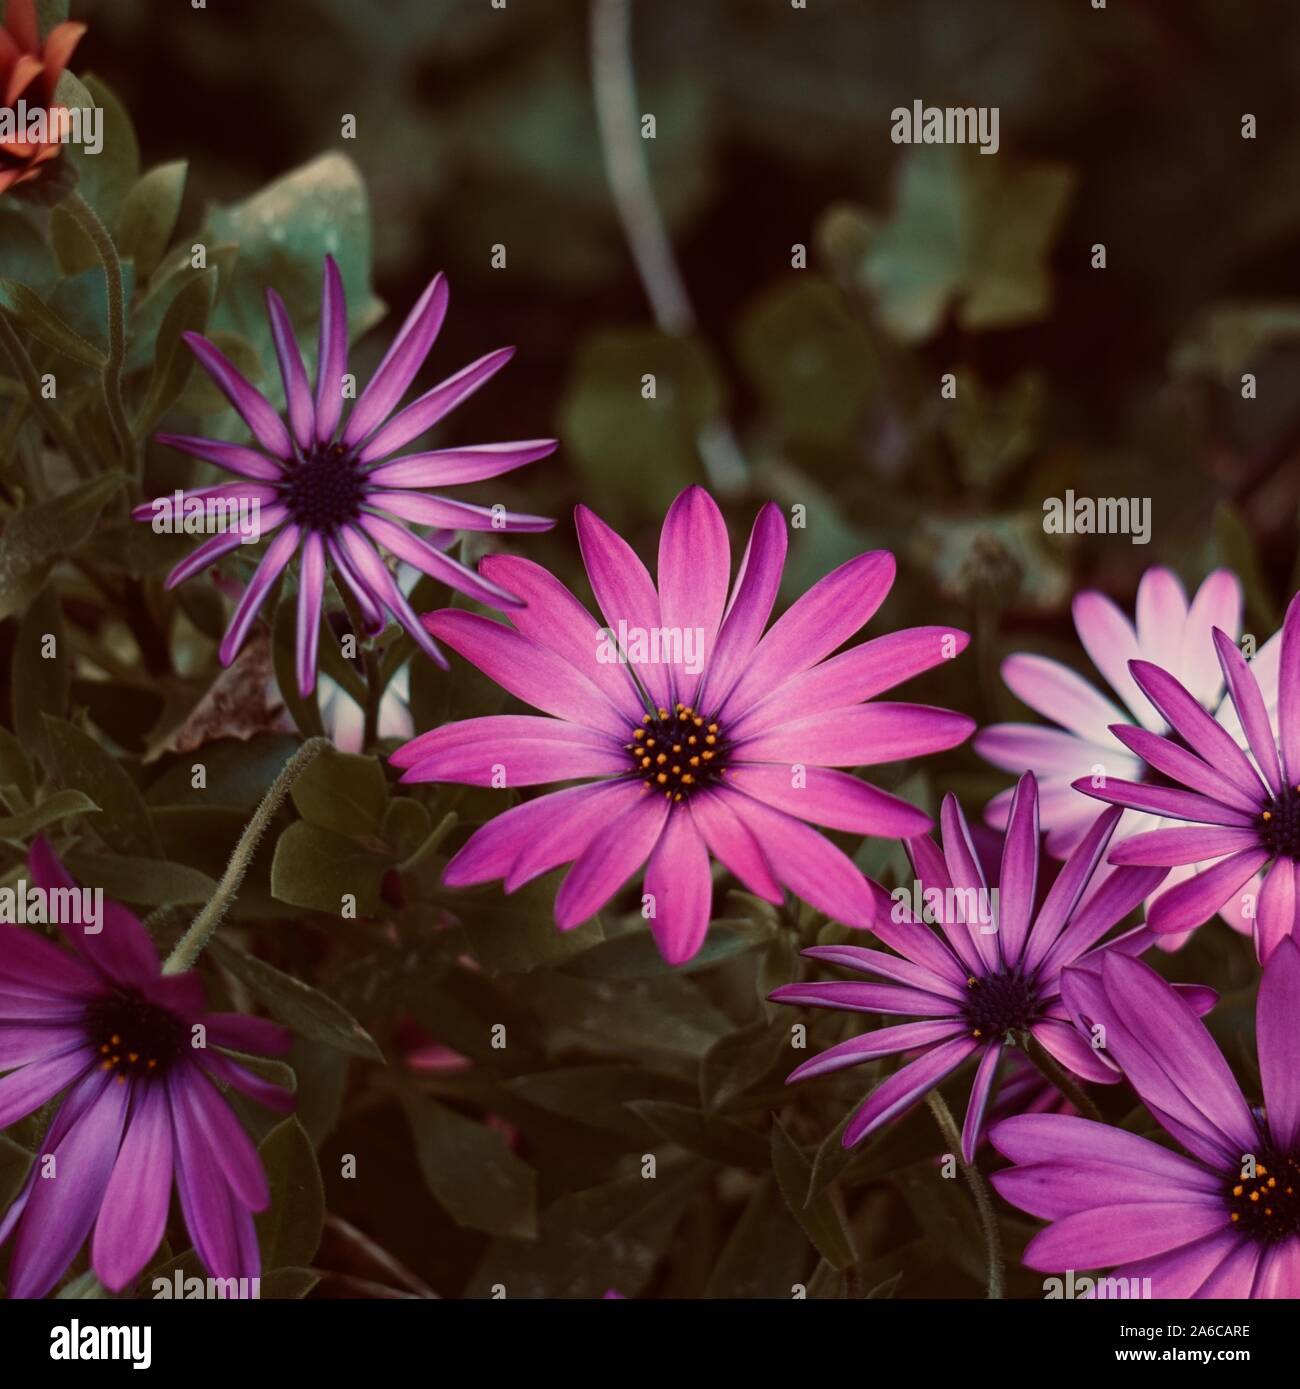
[
  {"x": 254, "y": 408},
  {"x": 297, "y": 391},
  {"x": 133, "y": 1215},
  {"x": 614, "y": 854},
  {"x": 403, "y": 359},
  {"x": 428, "y": 409},
  {"x": 694, "y": 572},
  {"x": 332, "y": 356},
  {"x": 679, "y": 888}
]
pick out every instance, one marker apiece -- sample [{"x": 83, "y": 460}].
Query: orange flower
[{"x": 29, "y": 72}]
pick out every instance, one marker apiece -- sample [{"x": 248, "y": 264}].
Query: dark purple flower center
[
  {"x": 678, "y": 752},
  {"x": 324, "y": 490},
  {"x": 133, "y": 1036},
  {"x": 1279, "y": 824},
  {"x": 998, "y": 1004},
  {"x": 1266, "y": 1206}
]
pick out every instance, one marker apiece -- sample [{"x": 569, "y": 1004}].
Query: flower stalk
[{"x": 191, "y": 944}]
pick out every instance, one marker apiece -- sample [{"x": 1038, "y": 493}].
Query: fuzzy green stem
[
  {"x": 983, "y": 1202},
  {"x": 45, "y": 412},
  {"x": 88, "y": 220},
  {"x": 190, "y": 946},
  {"x": 1050, "y": 1071}
]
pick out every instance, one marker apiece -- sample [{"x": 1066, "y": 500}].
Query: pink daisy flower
[
  {"x": 331, "y": 491},
  {"x": 104, "y": 1027},
  {"x": 1220, "y": 1219},
  {"x": 1168, "y": 632},
  {"x": 991, "y": 972},
  {"x": 1237, "y": 812},
  {"x": 727, "y": 755}
]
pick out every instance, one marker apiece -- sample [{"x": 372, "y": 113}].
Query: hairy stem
[
  {"x": 88, "y": 220},
  {"x": 190, "y": 946},
  {"x": 983, "y": 1201}
]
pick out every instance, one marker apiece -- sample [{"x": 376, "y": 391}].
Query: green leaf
[
  {"x": 289, "y": 1230},
  {"x": 818, "y": 1215},
  {"x": 57, "y": 807},
  {"x": 15, "y": 765},
  {"x": 284, "y": 232},
  {"x": 44, "y": 323},
  {"x": 305, "y": 1010},
  {"x": 610, "y": 1236},
  {"x": 82, "y": 302},
  {"x": 343, "y": 792},
  {"x": 635, "y": 454},
  {"x": 104, "y": 179},
  {"x": 148, "y": 882},
  {"x": 149, "y": 215},
  {"x": 85, "y": 1287},
  {"x": 471, "y": 1171},
  {"x": 24, "y": 256},
  {"x": 38, "y": 535},
  {"x": 15, "y": 1164},
  {"x": 41, "y": 682},
  {"x": 970, "y": 231},
  {"x": 85, "y": 766},
  {"x": 524, "y": 935},
  {"x": 809, "y": 357},
  {"x": 173, "y": 361},
  {"x": 317, "y": 868},
  {"x": 722, "y": 1140},
  {"x": 283, "y": 1284}
]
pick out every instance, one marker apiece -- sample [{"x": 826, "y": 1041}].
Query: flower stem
[
  {"x": 48, "y": 416},
  {"x": 613, "y": 81},
  {"x": 190, "y": 946},
  {"x": 1048, "y": 1068},
  {"x": 88, "y": 220},
  {"x": 983, "y": 1202}
]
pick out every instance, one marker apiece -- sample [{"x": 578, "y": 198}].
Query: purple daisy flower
[
  {"x": 112, "y": 1033},
  {"x": 695, "y": 733},
  {"x": 333, "y": 491},
  {"x": 991, "y": 973},
  {"x": 1223, "y": 1222},
  {"x": 1240, "y": 809},
  {"x": 1168, "y": 632}
]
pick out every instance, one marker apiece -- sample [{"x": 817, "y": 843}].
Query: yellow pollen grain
[
  {"x": 695, "y": 761},
  {"x": 1237, "y": 1190},
  {"x": 1254, "y": 1195},
  {"x": 1268, "y": 815},
  {"x": 663, "y": 713},
  {"x": 1235, "y": 1217},
  {"x": 699, "y": 723},
  {"x": 116, "y": 1040},
  {"x": 661, "y": 778},
  {"x": 707, "y": 756},
  {"x": 133, "y": 1057},
  {"x": 662, "y": 758},
  {"x": 151, "y": 1063},
  {"x": 691, "y": 740},
  {"x": 646, "y": 719},
  {"x": 688, "y": 780},
  {"x": 640, "y": 733},
  {"x": 710, "y": 739}
]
